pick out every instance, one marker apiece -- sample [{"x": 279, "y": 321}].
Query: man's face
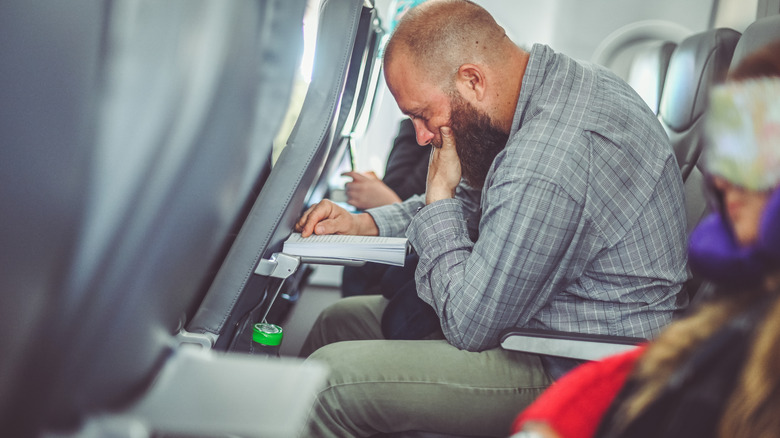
[
  {"x": 424, "y": 102},
  {"x": 477, "y": 140}
]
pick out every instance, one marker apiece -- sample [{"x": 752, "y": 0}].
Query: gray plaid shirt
[{"x": 581, "y": 224}]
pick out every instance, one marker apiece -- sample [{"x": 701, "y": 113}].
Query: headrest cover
[{"x": 743, "y": 130}]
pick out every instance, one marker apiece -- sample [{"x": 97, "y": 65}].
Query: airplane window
[
  {"x": 310, "y": 22},
  {"x": 302, "y": 80}
]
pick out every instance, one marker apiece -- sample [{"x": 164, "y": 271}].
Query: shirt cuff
[{"x": 392, "y": 220}]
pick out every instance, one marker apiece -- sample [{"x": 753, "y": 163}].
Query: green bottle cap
[{"x": 267, "y": 334}]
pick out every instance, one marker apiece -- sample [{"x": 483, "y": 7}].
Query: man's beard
[{"x": 477, "y": 140}]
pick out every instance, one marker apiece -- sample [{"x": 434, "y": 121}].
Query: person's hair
[
  {"x": 752, "y": 408},
  {"x": 763, "y": 63},
  {"x": 441, "y": 35}
]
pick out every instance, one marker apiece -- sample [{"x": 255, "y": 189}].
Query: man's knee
[{"x": 347, "y": 361}]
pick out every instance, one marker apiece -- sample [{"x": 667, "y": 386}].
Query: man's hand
[
  {"x": 443, "y": 169},
  {"x": 328, "y": 218},
  {"x": 368, "y": 191}
]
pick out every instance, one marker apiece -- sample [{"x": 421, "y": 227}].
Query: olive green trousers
[{"x": 379, "y": 386}]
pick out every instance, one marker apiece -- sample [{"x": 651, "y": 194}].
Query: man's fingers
[
  {"x": 448, "y": 150},
  {"x": 327, "y": 226},
  {"x": 325, "y": 218},
  {"x": 447, "y": 140},
  {"x": 443, "y": 169},
  {"x": 302, "y": 221},
  {"x": 312, "y": 217}
]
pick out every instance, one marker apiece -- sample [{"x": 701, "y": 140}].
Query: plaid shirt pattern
[{"x": 580, "y": 226}]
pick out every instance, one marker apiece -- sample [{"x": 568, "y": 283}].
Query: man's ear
[{"x": 470, "y": 81}]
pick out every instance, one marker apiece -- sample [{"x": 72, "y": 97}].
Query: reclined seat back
[
  {"x": 237, "y": 294},
  {"x": 358, "y": 98},
  {"x": 164, "y": 117}
]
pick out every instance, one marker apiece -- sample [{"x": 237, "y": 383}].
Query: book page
[
  {"x": 389, "y": 250},
  {"x": 346, "y": 239}
]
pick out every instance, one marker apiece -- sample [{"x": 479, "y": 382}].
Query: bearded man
[{"x": 553, "y": 201}]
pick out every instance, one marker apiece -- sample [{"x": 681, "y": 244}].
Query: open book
[{"x": 387, "y": 250}]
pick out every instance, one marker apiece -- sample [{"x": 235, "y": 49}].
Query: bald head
[
  {"x": 441, "y": 35},
  {"x": 446, "y": 51}
]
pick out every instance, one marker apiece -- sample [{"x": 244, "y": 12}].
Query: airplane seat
[
  {"x": 760, "y": 33},
  {"x": 238, "y": 294},
  {"x": 647, "y": 71},
  {"x": 361, "y": 72},
  {"x": 48, "y": 97},
  {"x": 355, "y": 109},
  {"x": 698, "y": 62},
  {"x": 138, "y": 130},
  {"x": 358, "y": 96}
]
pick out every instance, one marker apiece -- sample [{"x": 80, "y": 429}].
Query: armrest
[{"x": 566, "y": 344}]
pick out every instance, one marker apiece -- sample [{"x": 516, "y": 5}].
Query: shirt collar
[{"x": 532, "y": 81}]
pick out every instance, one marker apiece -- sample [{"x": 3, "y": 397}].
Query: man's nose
[{"x": 424, "y": 136}]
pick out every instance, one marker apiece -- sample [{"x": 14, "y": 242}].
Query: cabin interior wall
[{"x": 583, "y": 25}]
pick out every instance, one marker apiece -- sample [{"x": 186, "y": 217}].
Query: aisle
[{"x": 323, "y": 290}]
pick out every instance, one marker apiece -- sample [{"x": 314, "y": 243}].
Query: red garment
[{"x": 574, "y": 405}]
